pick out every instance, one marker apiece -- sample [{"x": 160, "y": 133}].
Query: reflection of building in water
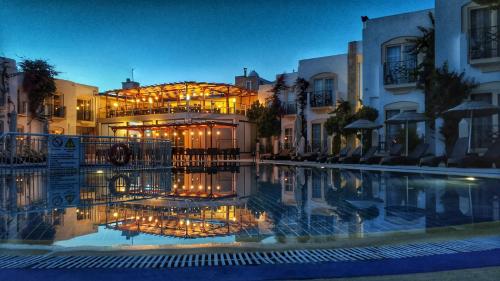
[
  {"x": 30, "y": 214},
  {"x": 191, "y": 219},
  {"x": 197, "y": 217}
]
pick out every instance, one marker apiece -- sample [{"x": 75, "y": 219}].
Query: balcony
[
  {"x": 400, "y": 74},
  {"x": 290, "y": 108},
  {"x": 322, "y": 98},
  {"x": 122, "y": 112},
  {"x": 484, "y": 46}
]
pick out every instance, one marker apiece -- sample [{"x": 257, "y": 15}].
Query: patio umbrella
[
  {"x": 407, "y": 117},
  {"x": 362, "y": 124},
  {"x": 471, "y": 109}
]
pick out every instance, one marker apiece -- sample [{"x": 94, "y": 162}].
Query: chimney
[
  {"x": 364, "y": 19},
  {"x": 245, "y": 71},
  {"x": 128, "y": 84}
]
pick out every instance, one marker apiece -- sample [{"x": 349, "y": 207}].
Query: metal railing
[
  {"x": 400, "y": 72},
  {"x": 22, "y": 149},
  {"x": 121, "y": 112},
  {"x": 322, "y": 98},
  {"x": 484, "y": 43}
]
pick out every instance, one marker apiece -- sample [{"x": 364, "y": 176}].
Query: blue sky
[{"x": 99, "y": 42}]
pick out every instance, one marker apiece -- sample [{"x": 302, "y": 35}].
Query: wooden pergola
[{"x": 198, "y": 96}]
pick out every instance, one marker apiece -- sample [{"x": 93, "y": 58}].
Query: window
[
  {"x": 316, "y": 185},
  {"x": 323, "y": 94},
  {"x": 482, "y": 127},
  {"x": 400, "y": 64},
  {"x": 84, "y": 110},
  {"x": 316, "y": 137},
  {"x": 484, "y": 31},
  {"x": 1, "y": 127},
  {"x": 288, "y": 138},
  {"x": 249, "y": 84},
  {"x": 291, "y": 107}
]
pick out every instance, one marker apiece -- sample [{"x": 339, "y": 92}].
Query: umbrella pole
[
  {"x": 406, "y": 129},
  {"x": 470, "y": 132},
  {"x": 361, "y": 142}
]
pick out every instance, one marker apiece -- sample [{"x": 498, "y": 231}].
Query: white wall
[{"x": 377, "y": 32}]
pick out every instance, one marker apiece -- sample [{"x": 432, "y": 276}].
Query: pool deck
[{"x": 286, "y": 271}]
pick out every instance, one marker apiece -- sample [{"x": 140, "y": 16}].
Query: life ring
[
  {"x": 119, "y": 154},
  {"x": 112, "y": 184}
]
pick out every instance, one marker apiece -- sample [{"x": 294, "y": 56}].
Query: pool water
[{"x": 232, "y": 203}]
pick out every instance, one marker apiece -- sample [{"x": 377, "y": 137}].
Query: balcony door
[
  {"x": 400, "y": 64},
  {"x": 323, "y": 92},
  {"x": 484, "y": 23}
]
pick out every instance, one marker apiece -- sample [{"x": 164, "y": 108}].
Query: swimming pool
[{"x": 234, "y": 204}]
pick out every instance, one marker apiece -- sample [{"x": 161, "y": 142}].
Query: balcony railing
[
  {"x": 290, "y": 108},
  {"x": 322, "y": 98},
  {"x": 400, "y": 72},
  {"x": 120, "y": 112},
  {"x": 484, "y": 43}
]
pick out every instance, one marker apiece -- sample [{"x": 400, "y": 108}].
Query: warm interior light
[
  {"x": 115, "y": 214},
  {"x": 115, "y": 104}
]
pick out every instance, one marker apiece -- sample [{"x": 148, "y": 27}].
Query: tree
[
  {"x": 39, "y": 83},
  {"x": 448, "y": 89},
  {"x": 301, "y": 85},
  {"x": 275, "y": 102},
  {"x": 366, "y": 112},
  {"x": 267, "y": 123},
  {"x": 425, "y": 46},
  {"x": 342, "y": 116}
]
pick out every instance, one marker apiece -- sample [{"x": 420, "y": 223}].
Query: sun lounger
[
  {"x": 458, "y": 153},
  {"x": 490, "y": 157},
  {"x": 394, "y": 150},
  {"x": 342, "y": 153},
  {"x": 413, "y": 157},
  {"x": 353, "y": 156},
  {"x": 370, "y": 153}
]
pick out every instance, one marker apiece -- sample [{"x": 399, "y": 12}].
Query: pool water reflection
[{"x": 233, "y": 203}]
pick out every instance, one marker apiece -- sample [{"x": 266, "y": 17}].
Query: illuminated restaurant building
[{"x": 194, "y": 115}]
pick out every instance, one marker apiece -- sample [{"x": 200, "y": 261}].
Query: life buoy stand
[
  {"x": 123, "y": 179},
  {"x": 119, "y": 154}
]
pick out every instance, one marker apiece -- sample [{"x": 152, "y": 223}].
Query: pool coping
[{"x": 472, "y": 172}]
